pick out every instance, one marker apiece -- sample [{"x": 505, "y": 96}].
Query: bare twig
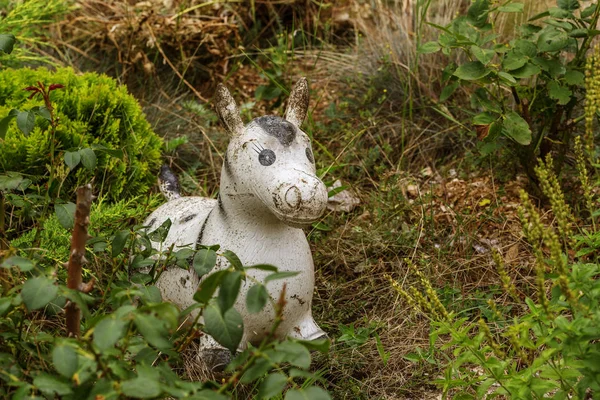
[
  {"x": 77, "y": 256},
  {"x": 3, "y": 243}
]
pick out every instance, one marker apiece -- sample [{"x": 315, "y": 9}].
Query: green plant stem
[
  {"x": 48, "y": 198},
  {"x": 265, "y": 342},
  {"x": 582, "y": 52},
  {"x": 3, "y": 239}
]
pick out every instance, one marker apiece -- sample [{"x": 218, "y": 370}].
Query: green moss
[
  {"x": 92, "y": 110},
  {"x": 105, "y": 220}
]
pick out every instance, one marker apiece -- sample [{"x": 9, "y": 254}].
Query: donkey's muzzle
[{"x": 301, "y": 203}]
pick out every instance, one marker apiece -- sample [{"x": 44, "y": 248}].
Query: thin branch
[{"x": 77, "y": 257}]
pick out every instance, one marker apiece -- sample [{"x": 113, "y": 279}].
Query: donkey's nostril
[{"x": 293, "y": 197}]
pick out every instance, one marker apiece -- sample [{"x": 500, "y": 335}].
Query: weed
[{"x": 546, "y": 350}]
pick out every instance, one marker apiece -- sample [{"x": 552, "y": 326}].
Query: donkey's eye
[
  {"x": 309, "y": 155},
  {"x": 266, "y": 157}
]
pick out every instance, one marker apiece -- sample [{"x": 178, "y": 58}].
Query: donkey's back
[{"x": 187, "y": 215}]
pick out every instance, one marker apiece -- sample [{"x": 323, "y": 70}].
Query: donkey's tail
[{"x": 168, "y": 183}]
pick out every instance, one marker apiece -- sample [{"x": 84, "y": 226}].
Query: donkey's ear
[
  {"x": 228, "y": 111},
  {"x": 298, "y": 103}
]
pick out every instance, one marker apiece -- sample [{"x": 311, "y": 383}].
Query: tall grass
[{"x": 29, "y": 20}]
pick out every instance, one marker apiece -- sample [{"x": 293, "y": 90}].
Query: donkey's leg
[
  {"x": 214, "y": 356},
  {"x": 307, "y": 329}
]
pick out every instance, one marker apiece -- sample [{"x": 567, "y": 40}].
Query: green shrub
[
  {"x": 105, "y": 220},
  {"x": 527, "y": 92},
  {"x": 131, "y": 341},
  {"x": 93, "y": 112}
]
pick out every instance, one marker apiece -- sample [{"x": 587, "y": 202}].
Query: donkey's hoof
[{"x": 215, "y": 360}]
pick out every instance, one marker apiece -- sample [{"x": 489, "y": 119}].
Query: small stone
[
  {"x": 426, "y": 172},
  {"x": 412, "y": 190}
]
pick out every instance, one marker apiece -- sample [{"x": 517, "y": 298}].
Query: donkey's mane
[{"x": 277, "y": 127}]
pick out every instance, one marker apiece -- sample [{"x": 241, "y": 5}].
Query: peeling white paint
[{"x": 263, "y": 203}]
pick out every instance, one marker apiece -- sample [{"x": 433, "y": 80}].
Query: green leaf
[
  {"x": 49, "y": 385},
  {"x": 321, "y": 345},
  {"x": 263, "y": 267},
  {"x": 568, "y": 4},
  {"x": 207, "y": 394},
  {"x": 552, "y": 39},
  {"x": 565, "y": 26},
  {"x": 7, "y": 43},
  {"x": 5, "y": 303},
  {"x": 153, "y": 330},
  {"x": 554, "y": 67},
  {"x": 526, "y": 71},
  {"x": 233, "y": 260},
  {"x": 310, "y": 393},
  {"x": 108, "y": 331},
  {"x": 229, "y": 290},
  {"x": 208, "y": 286},
  {"x": 483, "y": 55},
  {"x": 429, "y": 47},
  {"x": 272, "y": 386},
  {"x": 588, "y": 11},
  {"x": 26, "y": 121},
  {"x": 44, "y": 113},
  {"x": 116, "y": 153},
  {"x": 37, "y": 292},
  {"x": 4, "y": 122},
  {"x": 295, "y": 353},
  {"x": 64, "y": 358},
  {"x": 204, "y": 261},
  {"x": 516, "y": 128},
  {"x": 477, "y": 14},
  {"x": 141, "y": 278},
  {"x": 267, "y": 92},
  {"x": 463, "y": 396},
  {"x": 151, "y": 294},
  {"x": 256, "y": 298},
  {"x": 11, "y": 181},
  {"x": 88, "y": 158},
  {"x": 525, "y": 47},
  {"x": 558, "y": 92},
  {"x": 258, "y": 369},
  {"x": 484, "y": 118},
  {"x": 543, "y": 14},
  {"x": 507, "y": 77},
  {"x": 23, "y": 264},
  {"x": 513, "y": 60},
  {"x": 160, "y": 234},
  {"x": 65, "y": 212},
  {"x": 573, "y": 77},
  {"x": 281, "y": 275},
  {"x": 227, "y": 328},
  {"x": 541, "y": 386},
  {"x": 141, "y": 388},
  {"x": 472, "y": 71},
  {"x": 72, "y": 159},
  {"x": 448, "y": 90},
  {"x": 512, "y": 8},
  {"x": 119, "y": 242},
  {"x": 579, "y": 33}
]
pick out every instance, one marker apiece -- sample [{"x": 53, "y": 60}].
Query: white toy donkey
[{"x": 269, "y": 190}]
